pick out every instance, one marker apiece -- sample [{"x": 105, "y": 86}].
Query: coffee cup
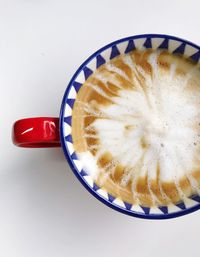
[{"x": 129, "y": 126}]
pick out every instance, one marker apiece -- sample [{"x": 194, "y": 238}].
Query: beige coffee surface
[{"x": 136, "y": 127}]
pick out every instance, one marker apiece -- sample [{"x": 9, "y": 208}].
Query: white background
[{"x": 44, "y": 210}]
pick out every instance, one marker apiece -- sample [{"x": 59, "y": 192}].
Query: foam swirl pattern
[{"x": 136, "y": 127}]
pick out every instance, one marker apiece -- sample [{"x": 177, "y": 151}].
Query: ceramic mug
[{"x": 55, "y": 132}]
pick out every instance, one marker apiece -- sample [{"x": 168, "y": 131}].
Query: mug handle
[{"x": 36, "y": 132}]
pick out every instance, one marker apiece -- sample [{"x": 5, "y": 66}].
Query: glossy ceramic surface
[{"x": 172, "y": 44}]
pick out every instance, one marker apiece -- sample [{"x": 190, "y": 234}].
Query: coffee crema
[{"x": 136, "y": 127}]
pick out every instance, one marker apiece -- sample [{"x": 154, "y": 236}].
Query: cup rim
[{"x": 146, "y": 213}]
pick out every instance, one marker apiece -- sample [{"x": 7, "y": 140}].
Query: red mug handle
[{"x": 36, "y": 132}]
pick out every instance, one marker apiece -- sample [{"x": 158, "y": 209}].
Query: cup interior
[{"x": 173, "y": 45}]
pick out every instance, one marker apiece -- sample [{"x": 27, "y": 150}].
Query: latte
[{"x": 136, "y": 127}]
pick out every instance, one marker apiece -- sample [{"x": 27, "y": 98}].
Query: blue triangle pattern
[
  {"x": 128, "y": 205},
  {"x": 87, "y": 72},
  {"x": 164, "y": 44},
  {"x": 115, "y": 52},
  {"x": 95, "y": 187},
  {"x": 163, "y": 209},
  {"x": 100, "y": 60},
  {"x": 74, "y": 156},
  {"x": 68, "y": 120},
  {"x": 68, "y": 138},
  {"x": 83, "y": 173},
  {"x": 146, "y": 210},
  {"x": 70, "y": 102},
  {"x": 77, "y": 86},
  {"x": 130, "y": 46},
  {"x": 111, "y": 198},
  {"x": 180, "y": 49},
  {"x": 181, "y": 205},
  {"x": 147, "y": 43},
  {"x": 195, "y": 57},
  {"x": 196, "y": 198}
]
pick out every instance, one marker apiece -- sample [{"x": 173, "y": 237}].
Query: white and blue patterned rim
[{"x": 125, "y": 45}]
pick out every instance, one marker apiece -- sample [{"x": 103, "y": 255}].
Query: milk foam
[
  {"x": 151, "y": 125},
  {"x": 88, "y": 163}
]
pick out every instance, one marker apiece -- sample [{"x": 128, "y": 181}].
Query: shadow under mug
[{"x": 55, "y": 132}]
